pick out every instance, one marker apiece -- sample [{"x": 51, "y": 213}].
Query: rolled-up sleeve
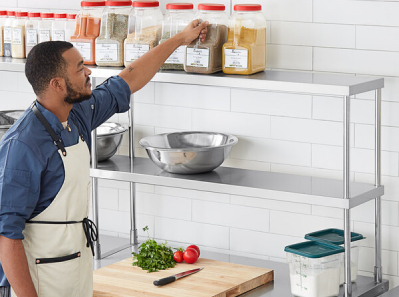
[{"x": 20, "y": 172}]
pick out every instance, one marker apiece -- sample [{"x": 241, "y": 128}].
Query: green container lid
[
  {"x": 314, "y": 249},
  {"x": 334, "y": 236}
]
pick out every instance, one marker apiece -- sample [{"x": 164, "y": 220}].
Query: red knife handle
[{"x": 165, "y": 281}]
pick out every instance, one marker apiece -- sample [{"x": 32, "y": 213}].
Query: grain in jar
[
  {"x": 58, "y": 27},
  {"x": 3, "y": 17},
  {"x": 31, "y": 28},
  {"x": 7, "y": 33},
  {"x": 144, "y": 30},
  {"x": 18, "y": 35},
  {"x": 114, "y": 28},
  {"x": 70, "y": 26},
  {"x": 177, "y": 17},
  {"x": 206, "y": 56},
  {"x": 88, "y": 23},
  {"x": 44, "y": 27},
  {"x": 245, "y": 49}
]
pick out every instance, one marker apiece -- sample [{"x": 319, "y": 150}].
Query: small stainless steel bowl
[
  {"x": 188, "y": 152},
  {"x": 109, "y": 138}
]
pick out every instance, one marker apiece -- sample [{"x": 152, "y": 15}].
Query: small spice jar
[
  {"x": 245, "y": 49},
  {"x": 31, "y": 28},
  {"x": 58, "y": 27},
  {"x": 177, "y": 17},
  {"x": 18, "y": 35},
  {"x": 206, "y": 57},
  {"x": 7, "y": 33},
  {"x": 3, "y": 17},
  {"x": 114, "y": 28},
  {"x": 44, "y": 27},
  {"x": 87, "y": 29},
  {"x": 70, "y": 26},
  {"x": 144, "y": 29}
]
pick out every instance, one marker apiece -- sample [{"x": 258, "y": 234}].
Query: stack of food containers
[
  {"x": 206, "y": 56},
  {"x": 7, "y": 33},
  {"x": 114, "y": 24},
  {"x": 177, "y": 17},
  {"x": 3, "y": 17},
  {"x": 245, "y": 50},
  {"x": 144, "y": 29},
  {"x": 88, "y": 24},
  {"x": 31, "y": 28}
]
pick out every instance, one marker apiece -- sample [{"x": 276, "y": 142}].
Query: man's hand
[{"x": 192, "y": 31}]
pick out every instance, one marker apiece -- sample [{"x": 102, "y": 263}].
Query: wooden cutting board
[{"x": 217, "y": 279}]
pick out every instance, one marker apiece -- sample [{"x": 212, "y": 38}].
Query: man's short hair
[{"x": 44, "y": 62}]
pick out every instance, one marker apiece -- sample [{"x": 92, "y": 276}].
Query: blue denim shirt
[{"x": 31, "y": 169}]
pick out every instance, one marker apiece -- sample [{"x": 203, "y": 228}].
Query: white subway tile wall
[{"x": 290, "y": 133}]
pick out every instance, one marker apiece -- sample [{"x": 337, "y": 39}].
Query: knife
[{"x": 169, "y": 279}]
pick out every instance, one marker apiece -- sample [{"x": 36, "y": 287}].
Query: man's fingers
[{"x": 195, "y": 23}]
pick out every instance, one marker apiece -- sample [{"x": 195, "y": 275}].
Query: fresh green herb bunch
[{"x": 153, "y": 256}]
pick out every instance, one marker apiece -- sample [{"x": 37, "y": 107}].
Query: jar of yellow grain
[{"x": 245, "y": 49}]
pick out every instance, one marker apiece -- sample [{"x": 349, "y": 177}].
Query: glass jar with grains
[
  {"x": 7, "y": 33},
  {"x": 206, "y": 56},
  {"x": 18, "y": 35},
  {"x": 31, "y": 27},
  {"x": 144, "y": 29},
  {"x": 58, "y": 27},
  {"x": 87, "y": 29},
  {"x": 44, "y": 27},
  {"x": 177, "y": 17},
  {"x": 3, "y": 17},
  {"x": 245, "y": 49},
  {"x": 114, "y": 23}
]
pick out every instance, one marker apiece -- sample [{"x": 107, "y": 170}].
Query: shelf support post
[
  {"x": 133, "y": 214},
  {"x": 346, "y": 188},
  {"x": 378, "y": 267}
]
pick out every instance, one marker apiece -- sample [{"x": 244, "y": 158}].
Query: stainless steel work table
[{"x": 316, "y": 191}]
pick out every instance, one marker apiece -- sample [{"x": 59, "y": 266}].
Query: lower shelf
[{"x": 242, "y": 182}]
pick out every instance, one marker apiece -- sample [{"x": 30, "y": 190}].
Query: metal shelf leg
[{"x": 133, "y": 215}]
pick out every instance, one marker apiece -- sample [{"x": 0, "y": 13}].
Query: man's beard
[{"x": 73, "y": 96}]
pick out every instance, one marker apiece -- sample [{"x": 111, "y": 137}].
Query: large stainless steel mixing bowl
[
  {"x": 188, "y": 152},
  {"x": 109, "y": 138},
  {"x": 7, "y": 119}
]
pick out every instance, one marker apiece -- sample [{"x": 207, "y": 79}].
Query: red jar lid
[
  {"x": 179, "y": 6},
  {"x": 90, "y": 3},
  {"x": 21, "y": 14},
  {"x": 3, "y": 12},
  {"x": 60, "y": 15},
  {"x": 11, "y": 13},
  {"x": 71, "y": 16},
  {"x": 145, "y": 4},
  {"x": 247, "y": 7},
  {"x": 211, "y": 6},
  {"x": 45, "y": 15},
  {"x": 118, "y": 3},
  {"x": 34, "y": 14}
]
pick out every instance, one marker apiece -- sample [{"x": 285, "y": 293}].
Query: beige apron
[{"x": 58, "y": 251}]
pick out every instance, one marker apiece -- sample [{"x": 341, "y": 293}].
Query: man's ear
[{"x": 57, "y": 84}]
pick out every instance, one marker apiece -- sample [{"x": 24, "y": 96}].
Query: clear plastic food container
[
  {"x": 336, "y": 236},
  {"x": 7, "y": 33},
  {"x": 144, "y": 29},
  {"x": 245, "y": 49},
  {"x": 31, "y": 28},
  {"x": 3, "y": 17},
  {"x": 18, "y": 35},
  {"x": 314, "y": 268},
  {"x": 113, "y": 32},
  {"x": 87, "y": 29},
  {"x": 177, "y": 17},
  {"x": 70, "y": 26},
  {"x": 206, "y": 56},
  {"x": 44, "y": 27},
  {"x": 58, "y": 27}
]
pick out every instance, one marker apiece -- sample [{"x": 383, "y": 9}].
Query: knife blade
[{"x": 172, "y": 278}]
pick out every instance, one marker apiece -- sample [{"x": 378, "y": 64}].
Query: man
[{"x": 44, "y": 167}]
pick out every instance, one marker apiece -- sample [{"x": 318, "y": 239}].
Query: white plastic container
[
  {"x": 70, "y": 26},
  {"x": 3, "y": 17},
  {"x": 58, "y": 27},
  {"x": 314, "y": 269},
  {"x": 18, "y": 35},
  {"x": 7, "y": 33},
  {"x": 44, "y": 27},
  {"x": 31, "y": 28}
]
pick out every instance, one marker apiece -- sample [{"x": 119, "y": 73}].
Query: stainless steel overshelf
[
  {"x": 270, "y": 80},
  {"x": 234, "y": 181}
]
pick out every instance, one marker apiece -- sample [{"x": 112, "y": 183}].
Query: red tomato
[
  {"x": 190, "y": 256},
  {"x": 196, "y": 248},
  {"x": 178, "y": 256}
]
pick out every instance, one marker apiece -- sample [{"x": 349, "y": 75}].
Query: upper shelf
[
  {"x": 270, "y": 80},
  {"x": 242, "y": 182}
]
